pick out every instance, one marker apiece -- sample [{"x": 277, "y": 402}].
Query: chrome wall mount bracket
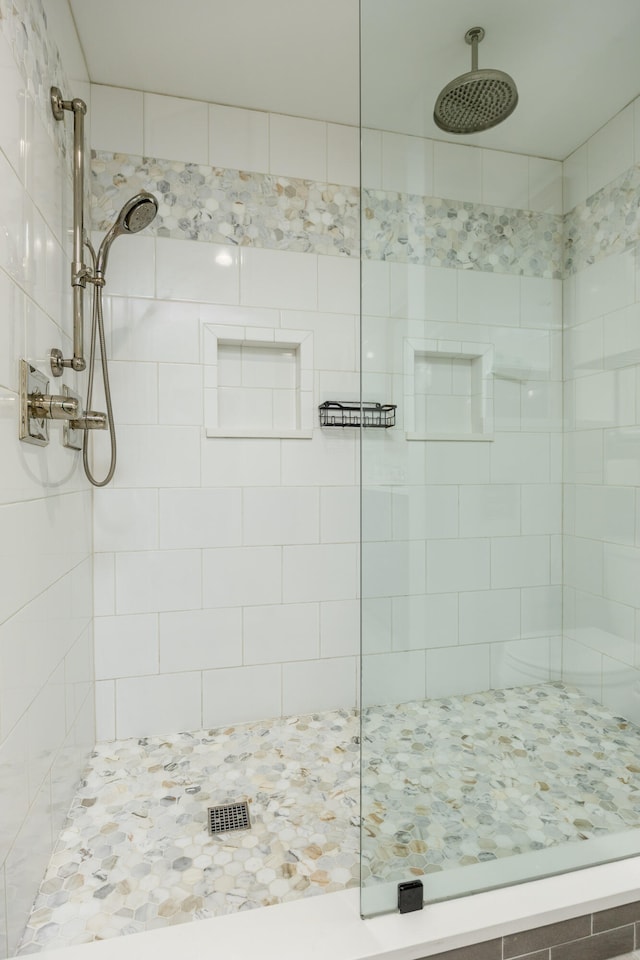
[{"x": 57, "y": 108}]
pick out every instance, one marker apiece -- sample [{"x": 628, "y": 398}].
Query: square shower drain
[{"x": 229, "y": 817}]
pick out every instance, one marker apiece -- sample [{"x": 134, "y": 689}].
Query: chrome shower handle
[
  {"x": 52, "y": 407},
  {"x": 90, "y": 420}
]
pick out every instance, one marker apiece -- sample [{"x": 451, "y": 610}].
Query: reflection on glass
[{"x": 500, "y": 689}]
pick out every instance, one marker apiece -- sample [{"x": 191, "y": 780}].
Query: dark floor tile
[
  {"x": 603, "y": 946},
  {"x": 489, "y": 950},
  {"x": 538, "y": 955},
  {"x": 529, "y": 941},
  {"x": 616, "y": 917}
]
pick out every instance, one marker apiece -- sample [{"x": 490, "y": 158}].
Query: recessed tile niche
[
  {"x": 448, "y": 390},
  {"x": 258, "y": 383}
]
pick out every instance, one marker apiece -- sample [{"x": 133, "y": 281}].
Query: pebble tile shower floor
[{"x": 460, "y": 780}]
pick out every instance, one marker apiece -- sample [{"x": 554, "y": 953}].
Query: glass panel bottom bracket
[
  {"x": 410, "y": 896},
  {"x": 32, "y": 383}
]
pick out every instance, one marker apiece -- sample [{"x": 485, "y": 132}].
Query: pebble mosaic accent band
[
  {"x": 608, "y": 222},
  {"x": 448, "y": 233},
  {"x": 284, "y": 213},
  {"x": 219, "y": 205}
]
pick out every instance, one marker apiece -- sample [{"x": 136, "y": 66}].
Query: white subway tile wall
[
  {"x": 117, "y": 119},
  {"x": 464, "y": 579},
  {"x": 176, "y": 129},
  {"x": 226, "y": 570},
  {"x": 602, "y": 429},
  {"x": 47, "y": 726},
  {"x": 238, "y": 139}
]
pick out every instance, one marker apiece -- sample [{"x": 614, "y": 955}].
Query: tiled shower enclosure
[{"x": 218, "y": 652}]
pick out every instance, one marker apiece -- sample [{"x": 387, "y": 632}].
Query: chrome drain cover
[{"x": 229, "y": 817}]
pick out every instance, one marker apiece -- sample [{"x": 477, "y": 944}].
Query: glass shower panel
[{"x": 490, "y": 742}]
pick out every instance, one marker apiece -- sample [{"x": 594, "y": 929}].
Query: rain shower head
[
  {"x": 136, "y": 214},
  {"x": 476, "y": 100}
]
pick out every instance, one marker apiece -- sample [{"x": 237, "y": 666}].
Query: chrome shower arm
[{"x": 79, "y": 270}]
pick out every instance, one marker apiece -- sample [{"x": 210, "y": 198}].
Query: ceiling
[{"x": 576, "y": 62}]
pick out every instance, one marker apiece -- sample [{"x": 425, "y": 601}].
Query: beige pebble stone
[
  {"x": 224, "y": 884},
  {"x": 313, "y": 851},
  {"x": 168, "y": 908}
]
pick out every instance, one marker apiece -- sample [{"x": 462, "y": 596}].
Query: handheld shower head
[{"x": 136, "y": 214}]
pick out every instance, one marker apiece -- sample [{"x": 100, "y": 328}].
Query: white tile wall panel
[
  {"x": 610, "y": 151},
  {"x": 339, "y": 628},
  {"x": 376, "y": 624},
  {"x": 272, "y": 278},
  {"x": 489, "y": 616},
  {"x": 490, "y": 510},
  {"x": 319, "y": 572},
  {"x": 505, "y": 179},
  {"x": 457, "y": 172},
  {"x": 422, "y": 622},
  {"x": 180, "y": 394},
  {"x": 117, "y": 119},
  {"x": 455, "y": 671},
  {"x": 152, "y": 456},
  {"x": 339, "y": 514},
  {"x": 338, "y": 285},
  {"x": 520, "y": 561},
  {"x": 423, "y": 293},
  {"x": 207, "y": 272},
  {"x": 154, "y": 331},
  {"x": 458, "y": 565},
  {"x": 45, "y": 648},
  {"x": 574, "y": 177},
  {"x": 175, "y": 128},
  {"x": 238, "y": 138},
  {"x": 105, "y": 710},
  {"x": 521, "y": 662},
  {"x": 238, "y": 694},
  {"x": 343, "y": 154},
  {"x": 125, "y": 519},
  {"x": 126, "y": 646},
  {"x": 242, "y": 576},
  {"x": 134, "y": 392},
  {"x": 201, "y": 517},
  {"x": 281, "y": 633},
  {"x": 200, "y": 639},
  {"x": 391, "y": 678},
  {"x": 545, "y": 185},
  {"x": 154, "y": 705},
  {"x": 407, "y": 164},
  {"x": 156, "y": 580},
  {"x": 371, "y": 159},
  {"x": 297, "y": 147}
]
